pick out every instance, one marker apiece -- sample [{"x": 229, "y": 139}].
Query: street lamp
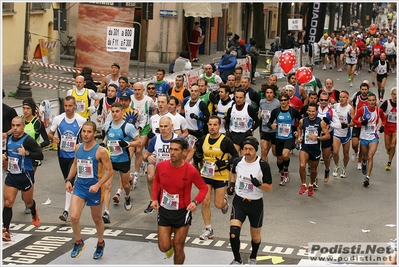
[{"x": 24, "y": 89}]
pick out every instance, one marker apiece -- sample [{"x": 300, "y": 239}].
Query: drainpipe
[{"x": 160, "y": 37}]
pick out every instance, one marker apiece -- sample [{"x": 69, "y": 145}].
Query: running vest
[
  {"x": 206, "y": 100},
  {"x": 68, "y": 133},
  {"x": 311, "y": 127},
  {"x": 179, "y": 95},
  {"x": 284, "y": 121},
  {"x": 222, "y": 110},
  {"x": 30, "y": 129},
  {"x": 113, "y": 81},
  {"x": 344, "y": 116},
  {"x": 89, "y": 169},
  {"x": 193, "y": 124},
  {"x": 82, "y": 103},
  {"x": 118, "y": 154},
  {"x": 106, "y": 112},
  {"x": 143, "y": 107},
  {"x": 382, "y": 68},
  {"x": 327, "y": 112},
  {"x": 212, "y": 83},
  {"x": 212, "y": 153},
  {"x": 369, "y": 132},
  {"x": 240, "y": 121},
  {"x": 16, "y": 163},
  {"x": 390, "y": 112},
  {"x": 162, "y": 148}
]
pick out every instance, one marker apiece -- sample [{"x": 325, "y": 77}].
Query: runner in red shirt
[{"x": 171, "y": 196}]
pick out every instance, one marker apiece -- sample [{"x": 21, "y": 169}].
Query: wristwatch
[{"x": 195, "y": 202}]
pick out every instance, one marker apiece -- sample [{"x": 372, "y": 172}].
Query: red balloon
[
  {"x": 373, "y": 27},
  {"x": 303, "y": 75},
  {"x": 287, "y": 61}
]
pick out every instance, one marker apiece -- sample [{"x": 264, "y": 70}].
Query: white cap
[
  {"x": 359, "y": 36},
  {"x": 289, "y": 87}
]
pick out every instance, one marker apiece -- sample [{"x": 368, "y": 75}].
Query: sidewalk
[{"x": 11, "y": 82}]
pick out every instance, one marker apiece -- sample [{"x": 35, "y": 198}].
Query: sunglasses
[
  {"x": 151, "y": 88},
  {"x": 323, "y": 100},
  {"x": 283, "y": 100}
]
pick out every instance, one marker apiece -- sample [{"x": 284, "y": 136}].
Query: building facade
[{"x": 163, "y": 36}]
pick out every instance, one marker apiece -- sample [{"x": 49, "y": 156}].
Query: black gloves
[
  {"x": 381, "y": 130},
  {"x": 193, "y": 116},
  {"x": 255, "y": 181},
  {"x": 102, "y": 144},
  {"x": 123, "y": 143},
  {"x": 230, "y": 189},
  {"x": 344, "y": 125},
  {"x": 364, "y": 122},
  {"x": 220, "y": 163},
  {"x": 157, "y": 130},
  {"x": 248, "y": 133},
  {"x": 327, "y": 121}
]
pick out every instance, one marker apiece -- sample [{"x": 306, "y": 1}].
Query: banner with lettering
[
  {"x": 92, "y": 33},
  {"x": 315, "y": 22}
]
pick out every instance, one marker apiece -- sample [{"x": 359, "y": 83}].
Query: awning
[{"x": 203, "y": 10}]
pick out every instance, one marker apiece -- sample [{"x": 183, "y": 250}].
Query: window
[
  {"x": 37, "y": 6},
  {"x": 8, "y": 7}
]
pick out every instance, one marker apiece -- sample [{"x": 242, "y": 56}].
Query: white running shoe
[
  {"x": 335, "y": 172},
  {"x": 359, "y": 165},
  {"x": 343, "y": 173}
]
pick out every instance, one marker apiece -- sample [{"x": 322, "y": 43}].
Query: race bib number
[
  {"x": 80, "y": 105},
  {"x": 68, "y": 143},
  {"x": 246, "y": 185},
  {"x": 284, "y": 129},
  {"x": 170, "y": 201},
  {"x": 381, "y": 71},
  {"x": 208, "y": 169},
  {"x": 370, "y": 128},
  {"x": 391, "y": 117},
  {"x": 191, "y": 139},
  {"x": 310, "y": 130},
  {"x": 162, "y": 156},
  {"x": 240, "y": 122},
  {"x": 265, "y": 115},
  {"x": 85, "y": 168},
  {"x": 114, "y": 148},
  {"x": 13, "y": 166},
  {"x": 342, "y": 119}
]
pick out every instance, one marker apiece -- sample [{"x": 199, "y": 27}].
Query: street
[{"x": 341, "y": 210}]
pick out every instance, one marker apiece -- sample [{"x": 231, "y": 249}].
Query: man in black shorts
[
  {"x": 309, "y": 135},
  {"x": 18, "y": 161},
  {"x": 118, "y": 137},
  {"x": 171, "y": 196},
  {"x": 250, "y": 177},
  {"x": 241, "y": 120},
  {"x": 267, "y": 135},
  {"x": 284, "y": 120},
  {"x": 217, "y": 153}
]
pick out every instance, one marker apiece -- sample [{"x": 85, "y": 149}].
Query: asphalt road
[{"x": 340, "y": 211}]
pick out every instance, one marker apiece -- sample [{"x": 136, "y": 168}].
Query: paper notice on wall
[{"x": 120, "y": 39}]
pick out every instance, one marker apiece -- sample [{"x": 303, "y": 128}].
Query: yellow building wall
[{"x": 13, "y": 29}]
